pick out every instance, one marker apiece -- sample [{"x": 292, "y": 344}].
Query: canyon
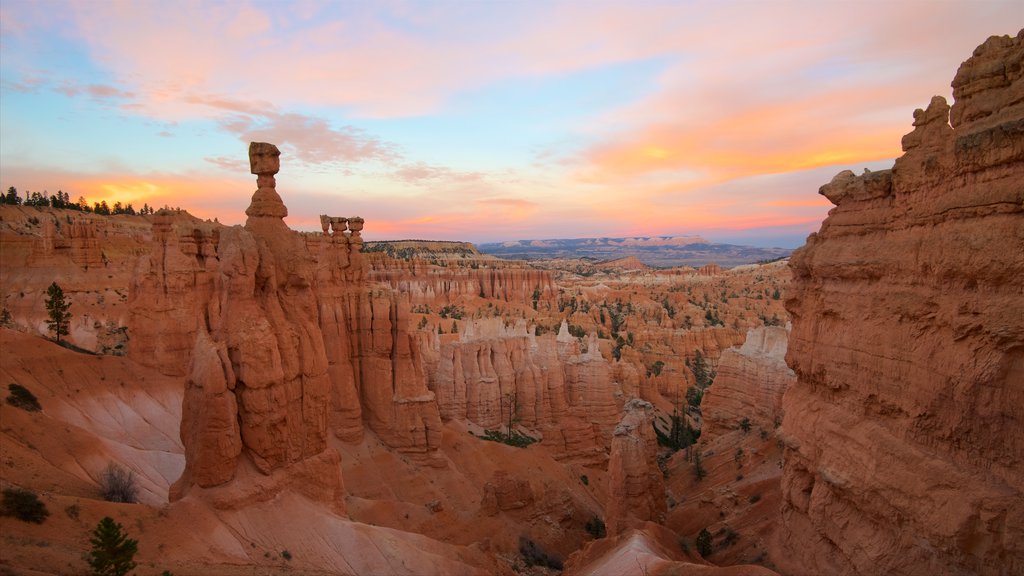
[{"x": 307, "y": 402}]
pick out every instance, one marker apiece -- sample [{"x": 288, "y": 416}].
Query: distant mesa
[{"x": 655, "y": 251}]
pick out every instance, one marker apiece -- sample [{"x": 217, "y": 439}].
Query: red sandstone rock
[
  {"x": 750, "y": 383},
  {"x": 904, "y": 445},
  {"x": 636, "y": 490},
  {"x": 503, "y": 492}
]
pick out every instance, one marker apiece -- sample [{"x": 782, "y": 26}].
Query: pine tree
[
  {"x": 57, "y": 308},
  {"x": 112, "y": 551},
  {"x": 700, "y": 370}
]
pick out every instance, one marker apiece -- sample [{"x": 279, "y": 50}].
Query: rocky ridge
[{"x": 903, "y": 430}]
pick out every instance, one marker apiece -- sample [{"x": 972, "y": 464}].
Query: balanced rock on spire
[{"x": 264, "y": 161}]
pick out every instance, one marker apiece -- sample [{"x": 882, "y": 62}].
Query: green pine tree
[
  {"x": 112, "y": 551},
  {"x": 57, "y": 308}
]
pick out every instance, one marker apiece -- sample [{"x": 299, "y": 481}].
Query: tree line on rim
[{"x": 62, "y": 200}]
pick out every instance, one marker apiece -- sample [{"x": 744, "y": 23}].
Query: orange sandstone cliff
[{"x": 904, "y": 431}]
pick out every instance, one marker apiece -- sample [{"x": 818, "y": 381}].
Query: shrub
[
  {"x": 698, "y": 467},
  {"x": 118, "y": 484},
  {"x": 23, "y": 505},
  {"x": 755, "y": 498},
  {"x": 730, "y": 537},
  {"x": 534, "y": 555},
  {"x": 585, "y": 480},
  {"x": 745, "y": 424},
  {"x": 516, "y": 439},
  {"x": 21, "y": 397},
  {"x": 704, "y": 542},
  {"x": 596, "y": 528},
  {"x": 112, "y": 552},
  {"x": 286, "y": 555}
]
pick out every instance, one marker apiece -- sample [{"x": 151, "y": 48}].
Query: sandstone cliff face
[
  {"x": 547, "y": 381},
  {"x": 90, "y": 256},
  {"x": 494, "y": 280},
  {"x": 636, "y": 489},
  {"x": 751, "y": 381},
  {"x": 904, "y": 431}
]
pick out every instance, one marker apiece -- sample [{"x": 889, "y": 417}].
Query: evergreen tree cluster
[{"x": 62, "y": 200}]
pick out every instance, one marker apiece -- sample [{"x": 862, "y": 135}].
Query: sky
[{"x": 478, "y": 120}]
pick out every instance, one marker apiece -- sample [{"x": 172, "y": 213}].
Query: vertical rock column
[{"x": 636, "y": 489}]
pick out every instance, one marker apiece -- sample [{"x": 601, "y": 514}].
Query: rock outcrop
[
  {"x": 904, "y": 431},
  {"x": 547, "y": 381},
  {"x": 90, "y": 256},
  {"x": 281, "y": 344},
  {"x": 751, "y": 381},
  {"x": 636, "y": 489},
  {"x": 503, "y": 492}
]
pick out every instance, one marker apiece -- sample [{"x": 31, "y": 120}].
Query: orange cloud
[{"x": 763, "y": 139}]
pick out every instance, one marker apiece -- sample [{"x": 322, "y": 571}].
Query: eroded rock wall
[
  {"x": 549, "y": 383},
  {"x": 636, "y": 487},
  {"x": 751, "y": 381},
  {"x": 904, "y": 430}
]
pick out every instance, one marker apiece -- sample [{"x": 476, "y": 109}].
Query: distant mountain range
[{"x": 659, "y": 251}]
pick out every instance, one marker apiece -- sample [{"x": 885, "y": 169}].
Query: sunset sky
[{"x": 478, "y": 120}]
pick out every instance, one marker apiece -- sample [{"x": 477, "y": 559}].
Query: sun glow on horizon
[{"x": 516, "y": 121}]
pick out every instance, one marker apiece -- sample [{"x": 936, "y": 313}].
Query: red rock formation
[
  {"x": 503, "y": 492},
  {"x": 90, "y": 256},
  {"x": 627, "y": 263},
  {"x": 636, "y": 490},
  {"x": 499, "y": 281},
  {"x": 281, "y": 341},
  {"x": 557, "y": 389},
  {"x": 903, "y": 429},
  {"x": 750, "y": 383}
]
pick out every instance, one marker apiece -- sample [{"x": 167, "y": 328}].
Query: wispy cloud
[
  {"x": 422, "y": 173},
  {"x": 311, "y": 139}
]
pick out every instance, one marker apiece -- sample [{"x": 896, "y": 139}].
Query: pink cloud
[
  {"x": 310, "y": 139},
  {"x": 422, "y": 173}
]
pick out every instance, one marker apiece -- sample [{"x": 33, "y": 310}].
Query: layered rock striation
[
  {"x": 496, "y": 373},
  {"x": 751, "y": 381},
  {"x": 904, "y": 430},
  {"x": 636, "y": 488}
]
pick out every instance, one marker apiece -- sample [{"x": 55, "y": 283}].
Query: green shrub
[
  {"x": 24, "y": 505},
  {"x": 534, "y": 555},
  {"x": 21, "y": 397},
  {"x": 745, "y": 424},
  {"x": 596, "y": 528},
  {"x": 516, "y": 439},
  {"x": 704, "y": 543}
]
